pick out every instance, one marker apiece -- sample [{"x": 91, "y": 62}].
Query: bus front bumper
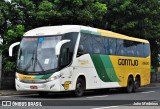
[{"x": 51, "y": 86}]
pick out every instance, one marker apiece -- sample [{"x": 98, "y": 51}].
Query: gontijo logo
[
  {"x": 66, "y": 85},
  {"x": 128, "y": 62}
]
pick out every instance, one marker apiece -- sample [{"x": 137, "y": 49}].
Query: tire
[
  {"x": 43, "y": 94},
  {"x": 80, "y": 87},
  {"x": 130, "y": 85},
  {"x": 136, "y": 84}
]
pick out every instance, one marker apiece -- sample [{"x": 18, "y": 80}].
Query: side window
[
  {"x": 98, "y": 45},
  {"x": 106, "y": 45},
  {"x": 146, "y": 49},
  {"x": 120, "y": 48},
  {"x": 65, "y": 57},
  {"x": 130, "y": 48},
  {"x": 112, "y": 46},
  {"x": 85, "y": 44},
  {"x": 93, "y": 44},
  {"x": 134, "y": 48},
  {"x": 139, "y": 49}
]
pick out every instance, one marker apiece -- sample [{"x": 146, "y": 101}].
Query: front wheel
[{"x": 80, "y": 87}]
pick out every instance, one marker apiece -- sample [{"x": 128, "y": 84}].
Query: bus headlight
[
  {"x": 53, "y": 78},
  {"x": 19, "y": 79}
]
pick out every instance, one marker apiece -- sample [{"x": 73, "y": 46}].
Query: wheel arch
[
  {"x": 83, "y": 77},
  {"x": 130, "y": 76}
]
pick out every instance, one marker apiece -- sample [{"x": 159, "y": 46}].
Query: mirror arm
[
  {"x": 58, "y": 46},
  {"x": 11, "y": 47}
]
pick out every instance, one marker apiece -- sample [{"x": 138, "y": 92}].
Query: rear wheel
[
  {"x": 136, "y": 84},
  {"x": 130, "y": 85},
  {"x": 80, "y": 87}
]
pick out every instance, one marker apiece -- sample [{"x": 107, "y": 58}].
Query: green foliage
[
  {"x": 4, "y": 16},
  {"x": 137, "y": 18},
  {"x": 11, "y": 36}
]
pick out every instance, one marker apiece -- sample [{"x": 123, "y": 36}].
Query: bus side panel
[
  {"x": 83, "y": 65},
  {"x": 132, "y": 66},
  {"x": 98, "y": 71},
  {"x": 102, "y": 71},
  {"x": 105, "y": 71}
]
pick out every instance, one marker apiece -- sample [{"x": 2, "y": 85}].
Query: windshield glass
[{"x": 38, "y": 54}]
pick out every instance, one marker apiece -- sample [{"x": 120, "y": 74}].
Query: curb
[{"x": 16, "y": 93}]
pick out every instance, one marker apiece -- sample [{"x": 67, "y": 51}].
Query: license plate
[{"x": 33, "y": 87}]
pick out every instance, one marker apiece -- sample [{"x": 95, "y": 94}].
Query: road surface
[{"x": 144, "y": 98}]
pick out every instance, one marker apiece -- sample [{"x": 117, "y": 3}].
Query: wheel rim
[
  {"x": 79, "y": 88},
  {"x": 130, "y": 86},
  {"x": 136, "y": 83}
]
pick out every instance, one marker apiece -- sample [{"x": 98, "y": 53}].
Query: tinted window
[
  {"x": 106, "y": 45},
  {"x": 67, "y": 49},
  {"x": 98, "y": 44},
  {"x": 95, "y": 44},
  {"x": 112, "y": 46},
  {"x": 86, "y": 43},
  {"x": 120, "y": 47},
  {"x": 146, "y": 49},
  {"x": 130, "y": 48},
  {"x": 139, "y": 49}
]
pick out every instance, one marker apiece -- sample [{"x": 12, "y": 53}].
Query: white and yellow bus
[{"x": 78, "y": 58}]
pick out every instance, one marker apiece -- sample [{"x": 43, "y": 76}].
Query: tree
[
  {"x": 31, "y": 13},
  {"x": 4, "y": 16},
  {"x": 11, "y": 36},
  {"x": 137, "y": 18}
]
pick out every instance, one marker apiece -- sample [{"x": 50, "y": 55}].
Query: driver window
[
  {"x": 65, "y": 56},
  {"x": 67, "y": 50}
]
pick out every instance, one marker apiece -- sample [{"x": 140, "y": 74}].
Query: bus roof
[{"x": 57, "y": 30}]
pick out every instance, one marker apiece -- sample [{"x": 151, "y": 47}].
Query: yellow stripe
[
  {"x": 120, "y": 36},
  {"x": 26, "y": 77}
]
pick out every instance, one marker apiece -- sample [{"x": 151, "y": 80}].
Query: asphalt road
[{"x": 145, "y": 98}]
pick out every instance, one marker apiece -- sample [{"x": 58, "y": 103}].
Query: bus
[{"x": 77, "y": 58}]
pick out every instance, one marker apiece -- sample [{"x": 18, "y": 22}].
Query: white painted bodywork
[{"x": 20, "y": 86}]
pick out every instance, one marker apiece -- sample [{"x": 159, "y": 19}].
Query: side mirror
[
  {"x": 11, "y": 47},
  {"x": 59, "y": 45},
  {"x": 80, "y": 50}
]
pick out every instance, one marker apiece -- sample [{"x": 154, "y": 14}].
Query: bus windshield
[{"x": 38, "y": 54}]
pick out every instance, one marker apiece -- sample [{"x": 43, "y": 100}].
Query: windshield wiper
[
  {"x": 39, "y": 64},
  {"x": 29, "y": 65}
]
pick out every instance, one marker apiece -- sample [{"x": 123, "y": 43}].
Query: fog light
[{"x": 19, "y": 79}]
